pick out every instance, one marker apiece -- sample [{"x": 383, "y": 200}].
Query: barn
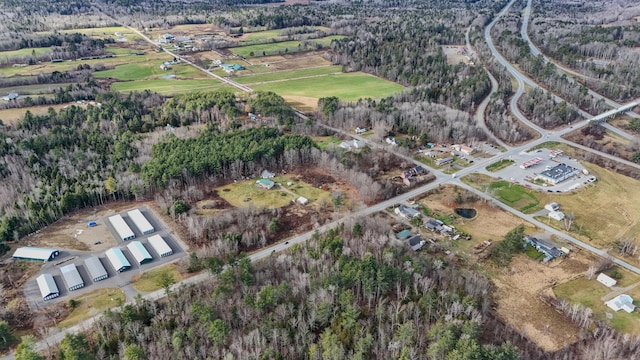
[
  {"x": 48, "y": 287},
  {"x": 96, "y": 269},
  {"x": 141, "y": 221},
  {"x": 117, "y": 259},
  {"x": 33, "y": 253},
  {"x": 72, "y": 277},
  {"x": 123, "y": 230},
  {"x": 160, "y": 246},
  {"x": 139, "y": 252}
]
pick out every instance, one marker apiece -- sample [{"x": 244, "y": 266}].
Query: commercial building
[
  {"x": 72, "y": 277},
  {"x": 160, "y": 246},
  {"x": 33, "y": 253},
  {"x": 123, "y": 230},
  {"x": 141, "y": 221},
  {"x": 139, "y": 252},
  {"x": 117, "y": 259},
  {"x": 96, "y": 269},
  {"x": 558, "y": 174},
  {"x": 48, "y": 287}
]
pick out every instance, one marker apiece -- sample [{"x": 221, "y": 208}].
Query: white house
[
  {"x": 606, "y": 280},
  {"x": 302, "y": 200},
  {"x": 556, "y": 215},
  {"x": 624, "y": 302},
  {"x": 391, "y": 141},
  {"x": 552, "y": 206},
  {"x": 352, "y": 144}
]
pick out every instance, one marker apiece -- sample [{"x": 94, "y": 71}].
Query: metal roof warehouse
[
  {"x": 33, "y": 253},
  {"x": 48, "y": 287},
  {"x": 558, "y": 174},
  {"x": 139, "y": 252},
  {"x": 117, "y": 259},
  {"x": 96, "y": 269},
  {"x": 141, "y": 221},
  {"x": 123, "y": 230},
  {"x": 72, "y": 277},
  {"x": 160, "y": 246}
]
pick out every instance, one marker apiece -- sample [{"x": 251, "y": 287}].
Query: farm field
[
  {"x": 93, "y": 303},
  {"x": 287, "y": 75},
  {"x": 347, "y": 87},
  {"x": 278, "y": 33},
  {"x": 168, "y": 86},
  {"x": 12, "y": 116},
  {"x": 23, "y": 52},
  {"x": 37, "y": 89},
  {"x": 268, "y": 49},
  {"x": 102, "y": 32},
  {"x": 141, "y": 70}
]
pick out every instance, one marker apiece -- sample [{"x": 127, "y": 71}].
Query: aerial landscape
[{"x": 320, "y": 179}]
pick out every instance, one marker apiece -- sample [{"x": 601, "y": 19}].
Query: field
[
  {"x": 151, "y": 280},
  {"x": 93, "y": 303},
  {"x": 455, "y": 54},
  {"x": 324, "y": 141},
  {"x": 346, "y": 86},
  {"x": 12, "y": 116},
  {"x": 168, "y": 86},
  {"x": 267, "y": 49},
  {"x": 516, "y": 196},
  {"x": 287, "y": 75},
  {"x": 23, "y": 52},
  {"x": 104, "y": 32}
]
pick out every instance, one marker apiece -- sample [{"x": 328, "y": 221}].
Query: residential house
[
  {"x": 434, "y": 225},
  {"x": 361, "y": 130},
  {"x": 418, "y": 170},
  {"x": 606, "y": 280},
  {"x": 266, "y": 174},
  {"x": 352, "y": 144},
  {"x": 556, "y": 215},
  {"x": 409, "y": 181},
  {"x": 416, "y": 243},
  {"x": 547, "y": 248},
  {"x": 10, "y": 96},
  {"x": 265, "y": 184},
  {"x": 467, "y": 150},
  {"x": 406, "y": 212},
  {"x": 165, "y": 67},
  {"x": 552, "y": 206},
  {"x": 391, "y": 141},
  {"x": 621, "y": 302},
  {"x": 444, "y": 161}
]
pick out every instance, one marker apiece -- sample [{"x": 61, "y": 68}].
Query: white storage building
[
  {"x": 96, "y": 269},
  {"x": 606, "y": 280},
  {"x": 139, "y": 252},
  {"x": 33, "y": 253},
  {"x": 160, "y": 246},
  {"x": 123, "y": 230},
  {"x": 72, "y": 277},
  {"x": 48, "y": 287},
  {"x": 141, "y": 221},
  {"x": 117, "y": 259}
]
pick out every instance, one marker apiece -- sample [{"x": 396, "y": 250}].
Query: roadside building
[
  {"x": 444, "y": 161},
  {"x": 160, "y": 246},
  {"x": 406, "y": 211},
  {"x": 141, "y": 221},
  {"x": 467, "y": 150},
  {"x": 552, "y": 206},
  {"x": 72, "y": 277},
  {"x": 556, "y": 215},
  {"x": 139, "y": 252},
  {"x": 48, "y": 287},
  {"x": 547, "y": 248},
  {"x": 123, "y": 230},
  {"x": 621, "y": 302},
  {"x": 96, "y": 269},
  {"x": 606, "y": 280},
  {"x": 33, "y": 253},
  {"x": 352, "y": 144},
  {"x": 117, "y": 259},
  {"x": 558, "y": 174}
]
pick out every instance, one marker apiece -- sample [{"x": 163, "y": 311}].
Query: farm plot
[
  {"x": 24, "y": 52},
  {"x": 268, "y": 49},
  {"x": 12, "y": 116},
  {"x": 168, "y": 86},
  {"x": 287, "y": 75}
]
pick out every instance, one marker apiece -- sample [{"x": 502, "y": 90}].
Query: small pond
[{"x": 466, "y": 213}]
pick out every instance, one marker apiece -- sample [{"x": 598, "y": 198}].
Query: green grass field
[
  {"x": 23, "y": 52},
  {"x": 324, "y": 141},
  {"x": 499, "y": 165},
  {"x": 326, "y": 41},
  {"x": 93, "y": 303},
  {"x": 514, "y": 195},
  {"x": 287, "y": 75},
  {"x": 168, "y": 86},
  {"x": 278, "y": 33},
  {"x": 104, "y": 32},
  {"x": 268, "y": 49},
  {"x": 150, "y": 280},
  {"x": 347, "y": 87},
  {"x": 139, "y": 71}
]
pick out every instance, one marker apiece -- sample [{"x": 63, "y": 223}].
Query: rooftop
[{"x": 558, "y": 171}]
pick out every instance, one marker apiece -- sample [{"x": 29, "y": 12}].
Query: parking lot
[
  {"x": 516, "y": 174},
  {"x": 115, "y": 279}
]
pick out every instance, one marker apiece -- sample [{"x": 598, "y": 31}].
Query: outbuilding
[
  {"x": 96, "y": 269},
  {"x": 556, "y": 215},
  {"x": 72, "y": 277},
  {"x": 33, "y": 253},
  {"x": 141, "y": 221},
  {"x": 160, "y": 246},
  {"x": 139, "y": 252},
  {"x": 48, "y": 287},
  {"x": 552, "y": 206},
  {"x": 606, "y": 280},
  {"x": 117, "y": 259},
  {"x": 123, "y": 230}
]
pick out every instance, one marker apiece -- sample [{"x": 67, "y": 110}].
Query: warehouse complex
[
  {"x": 33, "y": 253},
  {"x": 48, "y": 287},
  {"x": 72, "y": 277},
  {"x": 123, "y": 230},
  {"x": 160, "y": 246},
  {"x": 117, "y": 259},
  {"x": 141, "y": 222},
  {"x": 96, "y": 269},
  {"x": 139, "y": 252}
]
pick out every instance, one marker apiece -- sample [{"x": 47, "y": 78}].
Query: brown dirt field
[
  {"x": 12, "y": 116},
  {"x": 455, "y": 55},
  {"x": 302, "y": 103},
  {"x": 518, "y": 302}
]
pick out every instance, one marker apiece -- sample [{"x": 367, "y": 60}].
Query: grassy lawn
[
  {"x": 150, "y": 280},
  {"x": 269, "y": 48},
  {"x": 168, "y": 86},
  {"x": 104, "y": 32},
  {"x": 326, "y": 41},
  {"x": 93, "y": 303},
  {"x": 499, "y": 165},
  {"x": 24, "y": 52},
  {"x": 119, "y": 50},
  {"x": 286, "y": 75},
  {"x": 531, "y": 252},
  {"x": 38, "y": 89},
  {"x": 264, "y": 35},
  {"x": 588, "y": 293},
  {"x": 132, "y": 71},
  {"x": 324, "y": 141},
  {"x": 347, "y": 87},
  {"x": 278, "y": 196},
  {"x": 514, "y": 195}
]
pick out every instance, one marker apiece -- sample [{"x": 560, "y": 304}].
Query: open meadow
[{"x": 93, "y": 303}]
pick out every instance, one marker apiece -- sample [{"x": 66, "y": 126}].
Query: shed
[
  {"x": 606, "y": 280},
  {"x": 160, "y": 246},
  {"x": 117, "y": 259},
  {"x": 266, "y": 174},
  {"x": 72, "y": 277},
  {"x": 96, "y": 269},
  {"x": 141, "y": 221},
  {"x": 552, "y": 206},
  {"x": 265, "y": 184},
  {"x": 123, "y": 230},
  {"x": 139, "y": 252},
  {"x": 302, "y": 200},
  {"x": 48, "y": 287},
  {"x": 33, "y": 253},
  {"x": 556, "y": 215}
]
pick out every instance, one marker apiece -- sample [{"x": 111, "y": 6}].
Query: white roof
[
  {"x": 47, "y": 285},
  {"x": 138, "y": 251},
  {"x": 624, "y": 302},
  {"x": 141, "y": 222},
  {"x": 34, "y": 253},
  {"x": 95, "y": 267},
  {"x": 121, "y": 227},
  {"x": 71, "y": 275},
  {"x": 159, "y": 245},
  {"x": 557, "y": 215},
  {"x": 117, "y": 258},
  {"x": 606, "y": 280}
]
